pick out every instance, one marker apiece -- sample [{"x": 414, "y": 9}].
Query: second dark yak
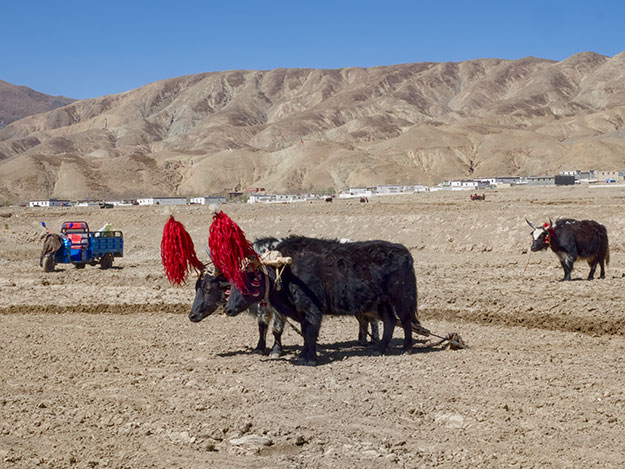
[
  {"x": 574, "y": 239},
  {"x": 374, "y": 278},
  {"x": 211, "y": 292},
  {"x": 212, "y": 289}
]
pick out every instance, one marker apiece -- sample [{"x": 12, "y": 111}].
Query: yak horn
[
  {"x": 530, "y": 223},
  {"x": 209, "y": 266}
]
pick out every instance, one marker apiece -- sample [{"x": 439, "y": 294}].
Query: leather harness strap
[{"x": 267, "y": 282}]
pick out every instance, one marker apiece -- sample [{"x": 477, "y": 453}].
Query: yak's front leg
[
  {"x": 261, "y": 317},
  {"x": 310, "y": 331},
  {"x": 277, "y": 327},
  {"x": 262, "y": 338},
  {"x": 567, "y": 262}
]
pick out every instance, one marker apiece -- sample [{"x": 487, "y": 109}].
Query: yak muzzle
[
  {"x": 195, "y": 317},
  {"x": 231, "y": 312},
  {"x": 200, "y": 311}
]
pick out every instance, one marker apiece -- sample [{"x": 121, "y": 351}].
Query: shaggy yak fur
[
  {"x": 574, "y": 239},
  {"x": 374, "y": 278},
  {"x": 211, "y": 291}
]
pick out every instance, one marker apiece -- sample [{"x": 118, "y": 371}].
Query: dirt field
[{"x": 102, "y": 368}]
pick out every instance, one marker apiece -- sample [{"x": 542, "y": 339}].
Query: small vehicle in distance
[{"x": 80, "y": 247}]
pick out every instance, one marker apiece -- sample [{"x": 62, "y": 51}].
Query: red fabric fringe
[
  {"x": 230, "y": 249},
  {"x": 178, "y": 253}
]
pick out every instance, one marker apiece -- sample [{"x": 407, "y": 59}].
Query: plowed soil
[{"x": 102, "y": 368}]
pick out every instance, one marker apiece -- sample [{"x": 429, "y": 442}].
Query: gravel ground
[{"x": 101, "y": 368}]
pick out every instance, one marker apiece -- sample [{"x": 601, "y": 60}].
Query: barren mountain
[
  {"x": 306, "y": 129},
  {"x": 19, "y": 101}
]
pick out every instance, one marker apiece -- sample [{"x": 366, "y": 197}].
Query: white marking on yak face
[{"x": 537, "y": 233}]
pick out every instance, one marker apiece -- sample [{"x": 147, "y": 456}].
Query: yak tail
[
  {"x": 417, "y": 328},
  {"x": 607, "y": 255}
]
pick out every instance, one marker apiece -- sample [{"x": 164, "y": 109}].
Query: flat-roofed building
[{"x": 162, "y": 201}]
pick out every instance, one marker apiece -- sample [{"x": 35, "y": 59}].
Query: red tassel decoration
[
  {"x": 178, "y": 253},
  {"x": 230, "y": 249}
]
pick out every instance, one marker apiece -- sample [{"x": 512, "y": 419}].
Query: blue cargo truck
[{"x": 80, "y": 247}]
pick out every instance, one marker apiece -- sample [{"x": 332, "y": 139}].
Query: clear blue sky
[{"x": 86, "y": 48}]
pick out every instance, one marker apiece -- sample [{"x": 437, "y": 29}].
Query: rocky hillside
[
  {"x": 19, "y": 101},
  {"x": 306, "y": 129}
]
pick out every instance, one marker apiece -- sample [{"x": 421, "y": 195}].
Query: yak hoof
[
  {"x": 275, "y": 353},
  {"x": 258, "y": 351},
  {"x": 306, "y": 361}
]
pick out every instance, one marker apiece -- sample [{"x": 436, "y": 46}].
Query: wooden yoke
[
  {"x": 272, "y": 259},
  {"x": 275, "y": 259}
]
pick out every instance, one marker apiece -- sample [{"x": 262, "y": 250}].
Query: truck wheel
[
  {"x": 80, "y": 265},
  {"x": 106, "y": 262},
  {"x": 48, "y": 264}
]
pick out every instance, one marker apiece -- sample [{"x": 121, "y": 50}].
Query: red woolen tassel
[
  {"x": 178, "y": 253},
  {"x": 230, "y": 249}
]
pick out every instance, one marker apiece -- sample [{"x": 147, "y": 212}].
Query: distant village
[{"x": 255, "y": 195}]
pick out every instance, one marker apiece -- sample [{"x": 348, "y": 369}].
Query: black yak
[
  {"x": 211, "y": 291},
  {"x": 328, "y": 277},
  {"x": 574, "y": 239}
]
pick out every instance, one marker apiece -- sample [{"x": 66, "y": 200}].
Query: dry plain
[{"x": 102, "y": 368}]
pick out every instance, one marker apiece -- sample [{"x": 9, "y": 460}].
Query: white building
[
  {"x": 162, "y": 201},
  {"x": 50, "y": 203},
  {"x": 123, "y": 203},
  {"x": 208, "y": 199},
  {"x": 608, "y": 176},
  {"x": 468, "y": 184},
  {"x": 541, "y": 181},
  {"x": 87, "y": 203},
  {"x": 384, "y": 190},
  {"x": 357, "y": 192},
  {"x": 501, "y": 181},
  {"x": 275, "y": 198}
]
